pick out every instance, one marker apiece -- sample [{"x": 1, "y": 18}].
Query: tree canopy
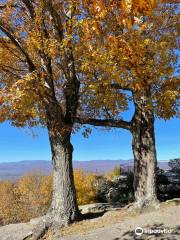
[
  {"x": 113, "y": 42},
  {"x": 118, "y": 57}
]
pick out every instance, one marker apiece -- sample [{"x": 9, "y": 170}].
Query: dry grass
[{"x": 108, "y": 219}]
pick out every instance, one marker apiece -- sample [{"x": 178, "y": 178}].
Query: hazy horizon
[{"x": 75, "y": 160}]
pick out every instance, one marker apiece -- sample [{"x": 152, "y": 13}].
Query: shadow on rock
[{"x": 91, "y": 215}]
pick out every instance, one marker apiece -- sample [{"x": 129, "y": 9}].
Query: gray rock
[
  {"x": 98, "y": 207},
  {"x": 116, "y": 191},
  {"x": 15, "y": 231}
]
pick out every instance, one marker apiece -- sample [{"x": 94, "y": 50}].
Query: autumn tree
[
  {"x": 85, "y": 186},
  {"x": 34, "y": 191},
  {"x": 115, "y": 172},
  {"x": 39, "y": 84},
  {"x": 10, "y": 209},
  {"x": 30, "y": 196},
  {"x": 132, "y": 57}
]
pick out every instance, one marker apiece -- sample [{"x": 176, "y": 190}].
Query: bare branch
[{"x": 105, "y": 123}]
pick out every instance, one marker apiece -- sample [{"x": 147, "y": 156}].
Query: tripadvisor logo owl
[{"x": 139, "y": 231}]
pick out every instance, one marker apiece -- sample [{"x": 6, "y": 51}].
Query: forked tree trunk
[
  {"x": 144, "y": 150},
  {"x": 64, "y": 208}
]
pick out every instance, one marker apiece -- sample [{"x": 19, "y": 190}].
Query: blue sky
[{"x": 19, "y": 144}]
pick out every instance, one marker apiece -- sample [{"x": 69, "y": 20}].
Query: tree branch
[
  {"x": 30, "y": 7},
  {"x": 56, "y": 19},
  {"x": 2, "y": 7},
  {"x": 105, "y": 123},
  {"x": 18, "y": 45},
  {"x": 118, "y": 86}
]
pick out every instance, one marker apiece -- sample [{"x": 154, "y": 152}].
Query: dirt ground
[{"x": 162, "y": 223}]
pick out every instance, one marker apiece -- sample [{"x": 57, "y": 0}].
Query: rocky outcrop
[
  {"x": 118, "y": 191},
  {"x": 98, "y": 207}
]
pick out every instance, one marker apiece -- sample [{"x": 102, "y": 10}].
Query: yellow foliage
[
  {"x": 11, "y": 210},
  {"x": 84, "y": 183},
  {"x": 114, "y": 173},
  {"x": 120, "y": 41},
  {"x": 134, "y": 52},
  {"x": 35, "y": 192},
  {"x": 24, "y": 199},
  {"x": 30, "y": 196}
]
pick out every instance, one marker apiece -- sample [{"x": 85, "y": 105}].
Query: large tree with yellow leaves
[
  {"x": 39, "y": 84},
  {"x": 131, "y": 56}
]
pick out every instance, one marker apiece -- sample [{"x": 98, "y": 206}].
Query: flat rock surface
[
  {"x": 15, "y": 231},
  {"x": 114, "y": 225}
]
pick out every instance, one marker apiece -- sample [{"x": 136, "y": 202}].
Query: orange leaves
[
  {"x": 97, "y": 6},
  {"x": 24, "y": 199},
  {"x": 168, "y": 98},
  {"x": 84, "y": 183},
  {"x": 133, "y": 8},
  {"x": 19, "y": 100},
  {"x": 110, "y": 40},
  {"x": 30, "y": 196},
  {"x": 126, "y": 6},
  {"x": 7, "y": 202},
  {"x": 35, "y": 190},
  {"x": 143, "y": 6},
  {"x": 132, "y": 50},
  {"x": 138, "y": 6},
  {"x": 125, "y": 10}
]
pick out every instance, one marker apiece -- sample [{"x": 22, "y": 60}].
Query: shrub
[
  {"x": 116, "y": 191},
  {"x": 11, "y": 211},
  {"x": 117, "y": 170},
  {"x": 85, "y": 187},
  {"x": 35, "y": 191},
  {"x": 30, "y": 196}
]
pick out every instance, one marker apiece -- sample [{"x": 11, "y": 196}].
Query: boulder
[
  {"x": 117, "y": 191},
  {"x": 97, "y": 208}
]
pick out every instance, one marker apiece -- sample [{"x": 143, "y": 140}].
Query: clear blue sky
[{"x": 18, "y": 144}]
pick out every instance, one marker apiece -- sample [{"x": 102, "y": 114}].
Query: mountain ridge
[{"x": 14, "y": 170}]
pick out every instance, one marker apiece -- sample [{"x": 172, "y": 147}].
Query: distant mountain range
[{"x": 13, "y": 170}]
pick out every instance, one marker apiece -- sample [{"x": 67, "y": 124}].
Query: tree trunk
[
  {"x": 144, "y": 150},
  {"x": 64, "y": 208}
]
